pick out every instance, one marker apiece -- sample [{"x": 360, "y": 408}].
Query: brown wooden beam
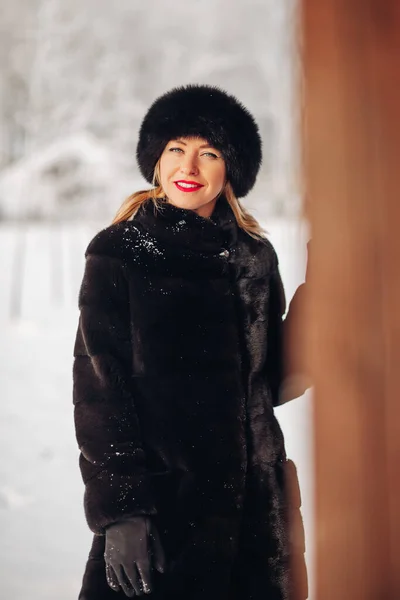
[{"x": 351, "y": 59}]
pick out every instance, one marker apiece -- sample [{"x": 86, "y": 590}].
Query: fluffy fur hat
[{"x": 207, "y": 112}]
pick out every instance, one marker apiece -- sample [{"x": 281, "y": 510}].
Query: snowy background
[
  {"x": 78, "y": 78},
  {"x": 76, "y": 82}
]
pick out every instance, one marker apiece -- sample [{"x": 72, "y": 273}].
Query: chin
[{"x": 190, "y": 203}]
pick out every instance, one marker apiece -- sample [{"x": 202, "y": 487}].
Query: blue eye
[
  {"x": 173, "y": 149},
  {"x": 211, "y": 154}
]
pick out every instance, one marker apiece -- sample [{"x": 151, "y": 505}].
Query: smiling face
[{"x": 192, "y": 174}]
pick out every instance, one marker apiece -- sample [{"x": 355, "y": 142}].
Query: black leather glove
[{"x": 132, "y": 549}]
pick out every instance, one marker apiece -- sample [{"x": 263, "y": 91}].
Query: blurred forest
[{"x": 77, "y": 79}]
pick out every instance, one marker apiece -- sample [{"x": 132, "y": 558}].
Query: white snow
[
  {"x": 45, "y": 539},
  {"x": 74, "y": 176}
]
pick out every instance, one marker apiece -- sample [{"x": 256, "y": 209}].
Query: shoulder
[
  {"x": 267, "y": 249},
  {"x": 258, "y": 256},
  {"x": 114, "y": 241}
]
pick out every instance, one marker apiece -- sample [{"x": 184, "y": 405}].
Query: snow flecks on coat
[{"x": 178, "y": 360}]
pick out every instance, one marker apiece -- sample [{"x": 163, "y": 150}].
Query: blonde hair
[{"x": 131, "y": 205}]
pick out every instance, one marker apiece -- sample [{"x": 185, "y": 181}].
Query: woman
[{"x": 177, "y": 370}]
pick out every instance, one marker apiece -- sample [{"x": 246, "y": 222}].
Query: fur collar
[{"x": 185, "y": 228}]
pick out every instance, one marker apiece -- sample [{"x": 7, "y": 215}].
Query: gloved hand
[{"x": 132, "y": 549}]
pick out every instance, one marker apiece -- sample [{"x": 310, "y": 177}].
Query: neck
[{"x": 207, "y": 210}]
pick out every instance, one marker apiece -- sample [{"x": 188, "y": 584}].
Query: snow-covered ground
[{"x": 45, "y": 539}]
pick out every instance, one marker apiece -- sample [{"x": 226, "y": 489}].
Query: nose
[{"x": 189, "y": 165}]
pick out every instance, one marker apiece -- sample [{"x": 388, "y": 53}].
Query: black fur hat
[{"x": 207, "y": 112}]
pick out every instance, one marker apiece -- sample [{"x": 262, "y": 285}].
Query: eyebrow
[{"x": 202, "y": 146}]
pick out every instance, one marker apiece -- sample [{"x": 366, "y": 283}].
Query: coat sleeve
[
  {"x": 112, "y": 460},
  {"x": 275, "y": 346}
]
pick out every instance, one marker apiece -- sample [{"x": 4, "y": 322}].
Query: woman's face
[{"x": 192, "y": 174}]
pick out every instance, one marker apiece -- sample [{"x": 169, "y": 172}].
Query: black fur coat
[{"x": 178, "y": 363}]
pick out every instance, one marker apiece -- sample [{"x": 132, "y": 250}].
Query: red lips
[{"x": 194, "y": 186}]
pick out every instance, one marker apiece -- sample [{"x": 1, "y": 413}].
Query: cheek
[
  {"x": 218, "y": 178},
  {"x": 165, "y": 168}
]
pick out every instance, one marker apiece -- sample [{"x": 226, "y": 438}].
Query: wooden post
[{"x": 351, "y": 54}]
